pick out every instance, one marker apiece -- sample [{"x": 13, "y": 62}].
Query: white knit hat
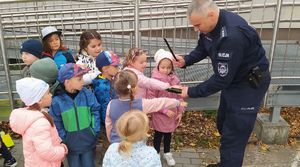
[
  {"x": 49, "y": 30},
  {"x": 31, "y": 90},
  {"x": 161, "y": 54}
]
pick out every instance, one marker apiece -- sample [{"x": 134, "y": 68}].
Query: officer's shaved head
[{"x": 201, "y": 6}]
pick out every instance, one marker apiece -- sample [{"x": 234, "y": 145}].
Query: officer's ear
[{"x": 211, "y": 13}]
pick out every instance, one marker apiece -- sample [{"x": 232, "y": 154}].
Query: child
[
  {"x": 41, "y": 143},
  {"x": 75, "y": 111},
  {"x": 136, "y": 61},
  {"x": 9, "y": 160},
  {"x": 164, "y": 126},
  {"x": 53, "y": 47},
  {"x": 132, "y": 127},
  {"x": 31, "y": 50},
  {"x": 90, "y": 47},
  {"x": 125, "y": 84},
  {"x": 107, "y": 62},
  {"x": 46, "y": 70}
]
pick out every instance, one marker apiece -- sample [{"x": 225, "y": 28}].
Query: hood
[
  {"x": 171, "y": 78},
  {"x": 21, "y": 119}
]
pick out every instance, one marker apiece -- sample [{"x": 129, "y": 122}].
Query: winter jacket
[
  {"x": 145, "y": 83},
  {"x": 141, "y": 155},
  {"x": 61, "y": 57},
  {"x": 160, "y": 121},
  {"x": 41, "y": 143},
  {"x": 89, "y": 62},
  {"x": 77, "y": 121},
  {"x": 104, "y": 92}
]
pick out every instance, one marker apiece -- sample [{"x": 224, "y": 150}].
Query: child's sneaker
[
  {"x": 169, "y": 158},
  {"x": 10, "y": 163}
]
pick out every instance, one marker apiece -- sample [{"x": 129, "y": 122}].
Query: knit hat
[
  {"x": 162, "y": 54},
  {"x": 44, "y": 69},
  {"x": 33, "y": 47},
  {"x": 69, "y": 71},
  {"x": 48, "y": 31},
  {"x": 106, "y": 58},
  {"x": 31, "y": 90}
]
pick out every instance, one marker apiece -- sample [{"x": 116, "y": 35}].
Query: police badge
[{"x": 222, "y": 69}]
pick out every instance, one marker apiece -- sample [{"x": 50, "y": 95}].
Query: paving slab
[{"x": 275, "y": 156}]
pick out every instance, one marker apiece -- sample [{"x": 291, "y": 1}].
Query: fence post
[
  {"x": 137, "y": 24},
  {"x": 274, "y": 117},
  {"x": 6, "y": 66}
]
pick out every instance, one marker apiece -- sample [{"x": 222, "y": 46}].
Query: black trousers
[{"x": 157, "y": 140}]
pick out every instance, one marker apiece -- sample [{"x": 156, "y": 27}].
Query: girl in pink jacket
[
  {"x": 136, "y": 61},
  {"x": 163, "y": 125},
  {"x": 42, "y": 146}
]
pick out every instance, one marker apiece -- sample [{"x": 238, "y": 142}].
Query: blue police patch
[{"x": 222, "y": 69}]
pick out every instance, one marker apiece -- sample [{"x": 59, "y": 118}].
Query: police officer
[{"x": 240, "y": 73}]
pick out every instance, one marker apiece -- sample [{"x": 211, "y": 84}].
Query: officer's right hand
[{"x": 180, "y": 63}]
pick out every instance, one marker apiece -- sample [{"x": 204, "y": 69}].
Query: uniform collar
[{"x": 220, "y": 30}]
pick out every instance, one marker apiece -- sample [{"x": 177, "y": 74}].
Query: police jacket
[{"x": 234, "y": 48}]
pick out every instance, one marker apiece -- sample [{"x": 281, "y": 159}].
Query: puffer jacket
[
  {"x": 89, "y": 62},
  {"x": 160, "y": 121},
  {"x": 41, "y": 143}
]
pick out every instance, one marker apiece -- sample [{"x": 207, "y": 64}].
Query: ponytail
[
  {"x": 125, "y": 146},
  {"x": 48, "y": 117},
  {"x": 36, "y": 106},
  {"x": 131, "y": 96}
]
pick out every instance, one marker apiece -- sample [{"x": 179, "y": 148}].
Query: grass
[
  {"x": 5, "y": 109},
  {"x": 210, "y": 113}
]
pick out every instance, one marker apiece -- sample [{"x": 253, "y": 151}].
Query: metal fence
[{"x": 127, "y": 23}]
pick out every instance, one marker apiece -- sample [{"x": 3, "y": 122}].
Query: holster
[{"x": 255, "y": 77}]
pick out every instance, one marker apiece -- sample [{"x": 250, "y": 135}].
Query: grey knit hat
[{"x": 44, "y": 69}]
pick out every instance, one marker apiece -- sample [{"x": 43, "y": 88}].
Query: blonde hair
[
  {"x": 132, "y": 127},
  {"x": 201, "y": 6},
  {"x": 132, "y": 54},
  {"x": 125, "y": 82}
]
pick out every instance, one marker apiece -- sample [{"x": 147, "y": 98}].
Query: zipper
[{"x": 76, "y": 114}]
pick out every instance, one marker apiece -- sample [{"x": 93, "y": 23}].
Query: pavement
[{"x": 275, "y": 156}]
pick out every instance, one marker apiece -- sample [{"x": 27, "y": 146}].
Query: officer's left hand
[
  {"x": 184, "y": 90},
  {"x": 184, "y": 93}
]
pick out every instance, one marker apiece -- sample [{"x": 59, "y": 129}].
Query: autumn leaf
[{"x": 217, "y": 134}]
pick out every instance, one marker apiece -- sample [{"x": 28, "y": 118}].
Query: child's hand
[
  {"x": 82, "y": 66},
  {"x": 170, "y": 114},
  {"x": 178, "y": 118},
  {"x": 183, "y": 104}
]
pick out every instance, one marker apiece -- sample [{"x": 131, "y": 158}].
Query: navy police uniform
[{"x": 235, "y": 50}]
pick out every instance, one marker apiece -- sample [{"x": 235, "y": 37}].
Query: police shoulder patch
[{"x": 223, "y": 69}]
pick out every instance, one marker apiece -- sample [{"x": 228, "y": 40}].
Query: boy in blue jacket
[{"x": 75, "y": 111}]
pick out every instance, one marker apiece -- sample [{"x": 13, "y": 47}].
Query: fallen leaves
[{"x": 198, "y": 129}]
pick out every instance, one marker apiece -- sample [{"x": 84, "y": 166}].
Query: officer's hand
[
  {"x": 184, "y": 90},
  {"x": 184, "y": 93},
  {"x": 180, "y": 63}
]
